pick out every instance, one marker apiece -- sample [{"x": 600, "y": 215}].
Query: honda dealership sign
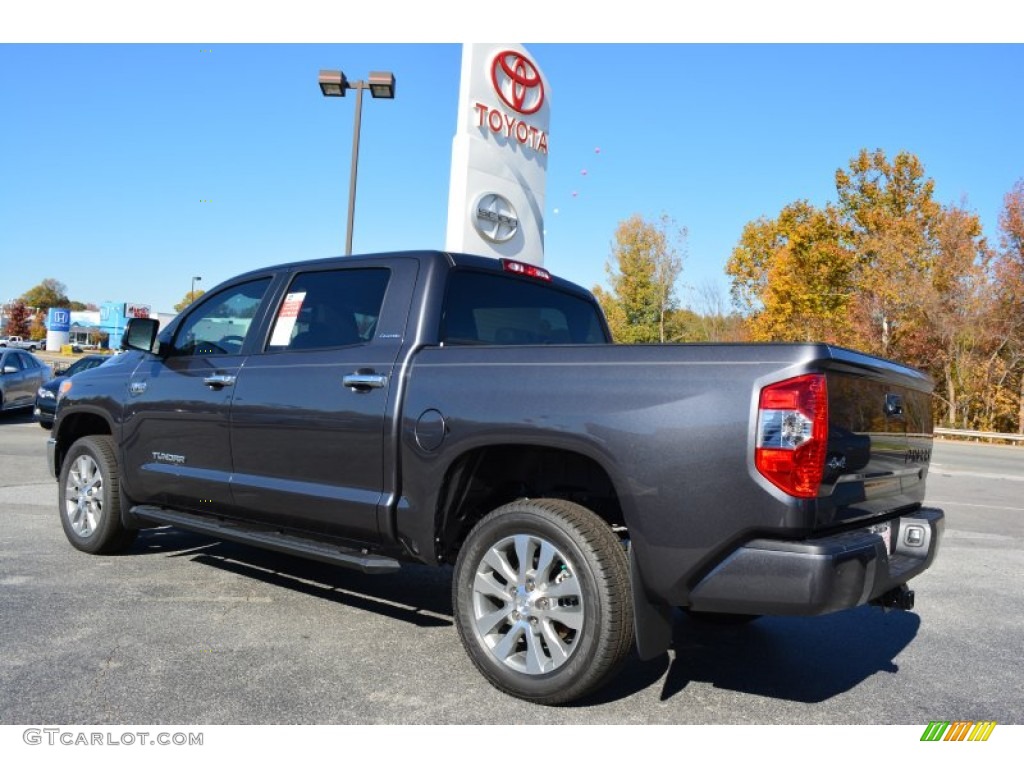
[
  {"x": 499, "y": 155},
  {"x": 58, "y": 327}
]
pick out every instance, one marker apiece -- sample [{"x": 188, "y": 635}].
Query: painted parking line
[
  {"x": 938, "y": 469},
  {"x": 947, "y": 503}
]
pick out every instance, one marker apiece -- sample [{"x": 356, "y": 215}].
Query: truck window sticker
[{"x": 287, "y": 316}]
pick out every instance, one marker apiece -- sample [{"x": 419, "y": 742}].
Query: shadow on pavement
[
  {"x": 792, "y": 658},
  {"x": 797, "y": 659},
  {"x": 419, "y": 595}
]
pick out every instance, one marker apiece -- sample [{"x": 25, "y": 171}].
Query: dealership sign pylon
[{"x": 499, "y": 155}]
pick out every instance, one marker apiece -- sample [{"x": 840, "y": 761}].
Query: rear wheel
[
  {"x": 90, "y": 509},
  {"x": 542, "y": 600}
]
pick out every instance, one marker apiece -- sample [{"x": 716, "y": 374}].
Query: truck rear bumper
[{"x": 816, "y": 576}]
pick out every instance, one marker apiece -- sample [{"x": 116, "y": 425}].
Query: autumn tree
[
  {"x": 1008, "y": 293},
  {"x": 793, "y": 275},
  {"x": 945, "y": 327},
  {"x": 49, "y": 293},
  {"x": 706, "y": 318},
  {"x": 643, "y": 270},
  {"x": 18, "y": 319},
  {"x": 37, "y": 328},
  {"x": 889, "y": 218},
  {"x": 189, "y": 297},
  {"x": 890, "y": 271}
]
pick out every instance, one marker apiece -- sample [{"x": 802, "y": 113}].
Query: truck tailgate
[{"x": 880, "y": 439}]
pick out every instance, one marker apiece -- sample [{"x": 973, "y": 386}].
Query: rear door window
[{"x": 331, "y": 308}]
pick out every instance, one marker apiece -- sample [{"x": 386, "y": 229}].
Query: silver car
[{"x": 21, "y": 374}]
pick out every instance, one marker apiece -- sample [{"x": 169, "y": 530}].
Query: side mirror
[
  {"x": 9, "y": 369},
  {"x": 140, "y": 334}
]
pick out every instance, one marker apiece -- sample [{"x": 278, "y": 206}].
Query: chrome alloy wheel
[
  {"x": 528, "y": 606},
  {"x": 83, "y": 496}
]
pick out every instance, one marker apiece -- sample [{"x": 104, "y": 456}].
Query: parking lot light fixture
[
  {"x": 381, "y": 86},
  {"x": 192, "y": 295},
  {"x": 332, "y": 82}
]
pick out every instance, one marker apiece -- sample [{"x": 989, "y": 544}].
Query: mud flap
[{"x": 652, "y": 622}]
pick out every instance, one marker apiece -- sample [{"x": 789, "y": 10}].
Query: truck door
[
  {"x": 313, "y": 413},
  {"x": 176, "y": 439}
]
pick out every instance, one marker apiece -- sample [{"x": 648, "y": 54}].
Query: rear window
[{"x": 484, "y": 308}]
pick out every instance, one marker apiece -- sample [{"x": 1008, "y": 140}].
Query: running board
[{"x": 277, "y": 541}]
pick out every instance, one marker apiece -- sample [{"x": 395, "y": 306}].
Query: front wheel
[
  {"x": 542, "y": 602},
  {"x": 90, "y": 509}
]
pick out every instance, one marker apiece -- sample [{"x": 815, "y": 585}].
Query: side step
[{"x": 265, "y": 538}]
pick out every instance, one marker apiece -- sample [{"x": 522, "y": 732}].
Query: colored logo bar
[{"x": 958, "y": 730}]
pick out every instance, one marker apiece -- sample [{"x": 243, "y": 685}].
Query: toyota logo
[{"x": 517, "y": 82}]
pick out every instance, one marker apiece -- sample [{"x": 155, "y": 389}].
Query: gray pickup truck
[{"x": 437, "y": 408}]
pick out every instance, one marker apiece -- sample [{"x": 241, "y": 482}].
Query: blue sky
[{"x": 127, "y": 169}]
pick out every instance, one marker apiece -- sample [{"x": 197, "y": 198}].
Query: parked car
[
  {"x": 46, "y": 395},
  {"x": 21, "y": 375}
]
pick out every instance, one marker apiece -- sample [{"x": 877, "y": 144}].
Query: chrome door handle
[
  {"x": 365, "y": 380},
  {"x": 219, "y": 380}
]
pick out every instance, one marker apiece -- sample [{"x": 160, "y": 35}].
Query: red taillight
[
  {"x": 792, "y": 434},
  {"x": 528, "y": 270}
]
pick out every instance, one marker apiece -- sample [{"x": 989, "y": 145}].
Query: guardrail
[{"x": 982, "y": 435}]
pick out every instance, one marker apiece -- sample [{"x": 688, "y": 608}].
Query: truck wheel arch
[
  {"x": 484, "y": 478},
  {"x": 75, "y": 426}
]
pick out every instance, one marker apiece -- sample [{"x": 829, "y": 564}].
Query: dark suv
[{"x": 46, "y": 395}]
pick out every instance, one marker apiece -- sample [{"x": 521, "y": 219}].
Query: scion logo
[
  {"x": 517, "y": 82},
  {"x": 496, "y": 219}
]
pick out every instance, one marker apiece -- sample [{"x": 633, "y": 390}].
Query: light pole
[
  {"x": 381, "y": 86},
  {"x": 192, "y": 295}
]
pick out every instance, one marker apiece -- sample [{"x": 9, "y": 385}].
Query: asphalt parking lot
[{"x": 184, "y": 629}]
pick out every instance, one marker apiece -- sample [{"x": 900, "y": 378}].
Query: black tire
[
  {"x": 89, "y": 503},
  {"x": 557, "y": 629}
]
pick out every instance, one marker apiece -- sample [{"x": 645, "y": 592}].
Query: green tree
[
  {"x": 49, "y": 293},
  {"x": 188, "y": 299},
  {"x": 643, "y": 270}
]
